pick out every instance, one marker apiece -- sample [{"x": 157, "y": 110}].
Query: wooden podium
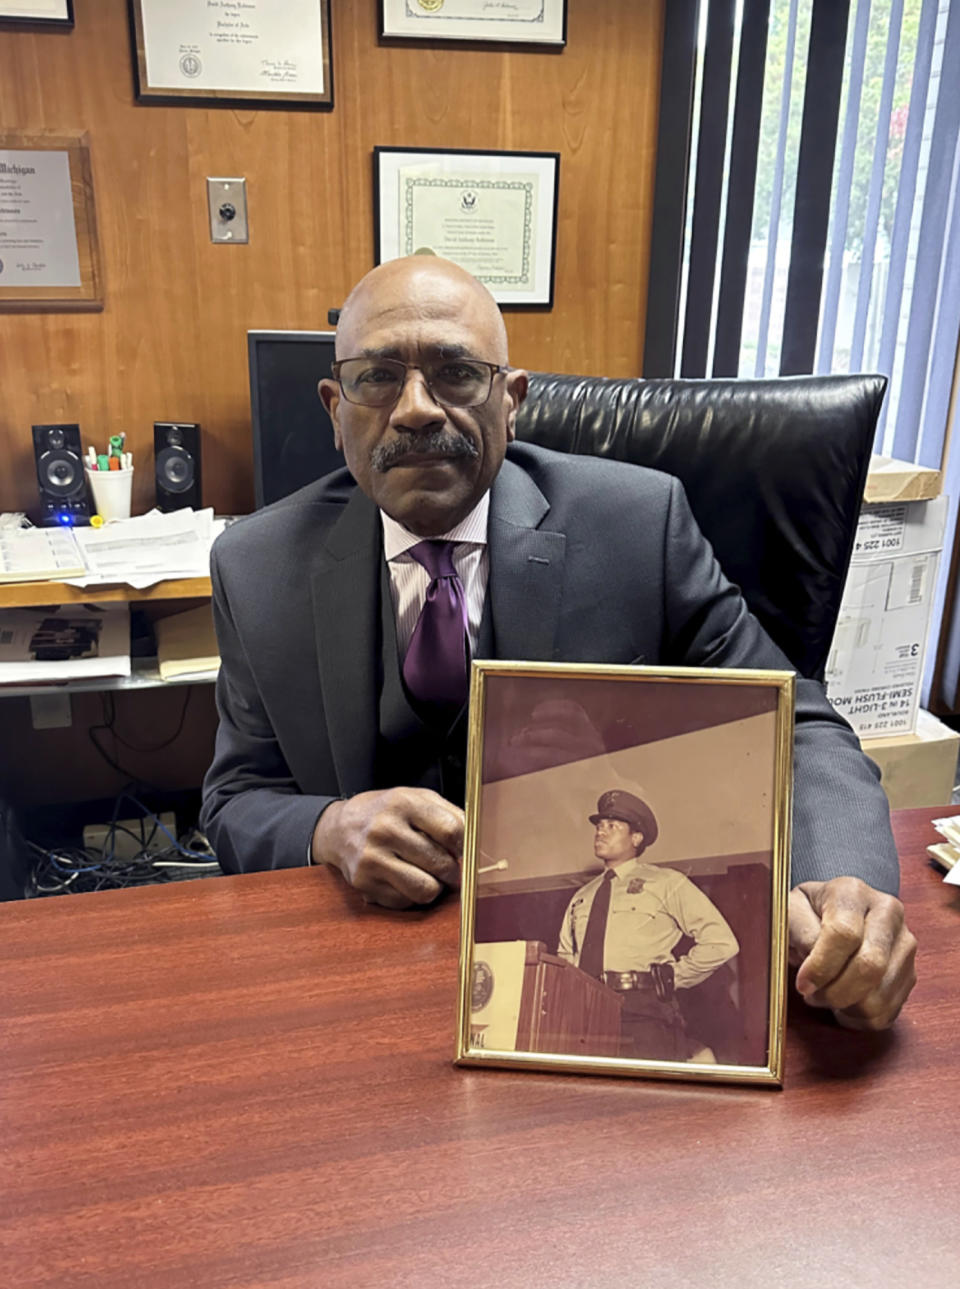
[{"x": 564, "y": 1010}]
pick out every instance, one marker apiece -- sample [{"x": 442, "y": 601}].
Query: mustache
[{"x": 434, "y": 443}]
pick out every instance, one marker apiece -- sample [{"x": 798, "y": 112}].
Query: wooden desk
[{"x": 247, "y": 1082}]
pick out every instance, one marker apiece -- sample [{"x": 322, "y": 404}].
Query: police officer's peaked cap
[{"x": 617, "y": 804}]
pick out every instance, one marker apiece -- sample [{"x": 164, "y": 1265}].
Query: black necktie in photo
[{"x": 591, "y": 955}]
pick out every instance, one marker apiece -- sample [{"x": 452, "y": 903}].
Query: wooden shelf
[{"x": 31, "y": 595}]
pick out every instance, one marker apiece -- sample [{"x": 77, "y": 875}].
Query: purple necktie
[{"x": 435, "y": 668}]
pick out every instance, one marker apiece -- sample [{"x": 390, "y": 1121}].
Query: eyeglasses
[{"x": 452, "y": 382}]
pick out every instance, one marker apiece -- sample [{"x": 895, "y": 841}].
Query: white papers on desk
[
  {"x": 71, "y": 642},
  {"x": 36, "y": 554},
  {"x": 947, "y": 853},
  {"x": 148, "y": 548}
]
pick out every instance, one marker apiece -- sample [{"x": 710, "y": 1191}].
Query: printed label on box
[
  {"x": 874, "y": 668},
  {"x": 880, "y": 530},
  {"x": 899, "y": 528}
]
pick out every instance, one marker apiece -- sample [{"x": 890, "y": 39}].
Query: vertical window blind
[{"x": 807, "y": 216}]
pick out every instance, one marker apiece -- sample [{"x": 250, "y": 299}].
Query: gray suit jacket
[{"x": 590, "y": 561}]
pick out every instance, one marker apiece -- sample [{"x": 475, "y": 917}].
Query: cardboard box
[
  {"x": 918, "y": 769},
  {"x": 890, "y": 480},
  {"x": 875, "y": 665}
]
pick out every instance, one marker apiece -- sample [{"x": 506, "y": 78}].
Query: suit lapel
[
  {"x": 526, "y": 579},
  {"x": 526, "y": 569},
  {"x": 345, "y": 585}
]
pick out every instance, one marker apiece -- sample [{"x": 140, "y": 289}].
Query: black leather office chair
[{"x": 774, "y": 470}]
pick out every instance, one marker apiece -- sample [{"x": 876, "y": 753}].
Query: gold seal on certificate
[
  {"x": 494, "y": 214},
  {"x": 430, "y": 6}
]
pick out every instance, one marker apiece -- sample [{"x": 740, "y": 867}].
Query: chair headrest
[{"x": 774, "y": 471}]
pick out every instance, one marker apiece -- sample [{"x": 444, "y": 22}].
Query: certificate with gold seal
[
  {"x": 535, "y": 22},
  {"x": 493, "y": 213},
  {"x": 233, "y": 51}
]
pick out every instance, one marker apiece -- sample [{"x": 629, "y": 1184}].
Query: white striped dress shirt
[{"x": 409, "y": 579}]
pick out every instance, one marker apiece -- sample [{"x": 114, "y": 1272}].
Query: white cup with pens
[{"x": 110, "y": 475}]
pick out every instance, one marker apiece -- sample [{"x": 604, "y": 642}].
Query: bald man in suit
[{"x": 323, "y": 753}]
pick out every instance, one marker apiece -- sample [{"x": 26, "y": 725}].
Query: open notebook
[{"x": 39, "y": 554}]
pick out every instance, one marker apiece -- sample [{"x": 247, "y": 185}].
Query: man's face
[
  {"x": 614, "y": 841},
  {"x": 425, "y": 464}
]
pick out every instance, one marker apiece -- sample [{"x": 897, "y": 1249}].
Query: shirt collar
[
  {"x": 623, "y": 872},
  {"x": 397, "y": 540}
]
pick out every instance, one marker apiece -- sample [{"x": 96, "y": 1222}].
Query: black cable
[
  {"x": 70, "y": 870},
  {"x": 154, "y": 747},
  {"x": 108, "y": 726}
]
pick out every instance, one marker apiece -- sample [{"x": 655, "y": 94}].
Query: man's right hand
[{"x": 398, "y": 847}]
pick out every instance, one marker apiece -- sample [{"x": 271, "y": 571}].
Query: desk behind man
[{"x": 327, "y": 748}]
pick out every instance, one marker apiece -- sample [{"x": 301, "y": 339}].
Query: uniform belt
[{"x": 622, "y": 981}]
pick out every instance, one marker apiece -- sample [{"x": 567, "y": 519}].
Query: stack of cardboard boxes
[{"x": 875, "y": 667}]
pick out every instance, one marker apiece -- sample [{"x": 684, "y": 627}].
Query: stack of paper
[
  {"x": 71, "y": 642},
  {"x": 187, "y": 644},
  {"x": 37, "y": 554},
  {"x": 149, "y": 548},
  {"x": 947, "y": 853}
]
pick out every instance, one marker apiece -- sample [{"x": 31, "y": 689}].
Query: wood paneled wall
[{"x": 170, "y": 342}]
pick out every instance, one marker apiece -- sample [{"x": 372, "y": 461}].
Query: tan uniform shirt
[{"x": 651, "y": 908}]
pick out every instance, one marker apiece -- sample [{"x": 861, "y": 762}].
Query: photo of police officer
[
  {"x": 629, "y": 849},
  {"x": 623, "y": 926}
]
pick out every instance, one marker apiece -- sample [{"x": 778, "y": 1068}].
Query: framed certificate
[
  {"x": 493, "y": 213},
  {"x": 47, "y": 13},
  {"x": 535, "y": 22},
  {"x": 220, "y": 52},
  {"x": 626, "y": 867},
  {"x": 49, "y": 256}
]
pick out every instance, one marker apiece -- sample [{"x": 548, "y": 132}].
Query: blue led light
[{"x": 66, "y": 520}]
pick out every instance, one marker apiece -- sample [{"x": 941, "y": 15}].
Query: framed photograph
[
  {"x": 224, "y": 54},
  {"x": 626, "y": 870},
  {"x": 535, "y": 22},
  {"x": 49, "y": 254},
  {"x": 36, "y": 13},
  {"x": 493, "y": 213}
]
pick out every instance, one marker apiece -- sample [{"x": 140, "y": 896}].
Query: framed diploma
[
  {"x": 47, "y": 13},
  {"x": 233, "y": 53},
  {"x": 49, "y": 257},
  {"x": 535, "y": 22},
  {"x": 493, "y": 213},
  {"x": 626, "y": 869}
]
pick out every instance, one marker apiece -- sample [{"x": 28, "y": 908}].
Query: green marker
[
  {"x": 103, "y": 462},
  {"x": 116, "y": 444}
]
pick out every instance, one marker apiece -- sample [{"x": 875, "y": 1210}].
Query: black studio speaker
[
  {"x": 176, "y": 455},
  {"x": 63, "y": 486}
]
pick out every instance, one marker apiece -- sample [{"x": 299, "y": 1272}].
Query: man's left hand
[{"x": 853, "y": 949}]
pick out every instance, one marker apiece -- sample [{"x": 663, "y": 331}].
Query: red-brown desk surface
[{"x": 247, "y": 1082}]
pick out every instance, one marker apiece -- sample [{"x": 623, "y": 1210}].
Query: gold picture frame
[
  {"x": 687, "y": 950},
  {"x": 47, "y": 217}
]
